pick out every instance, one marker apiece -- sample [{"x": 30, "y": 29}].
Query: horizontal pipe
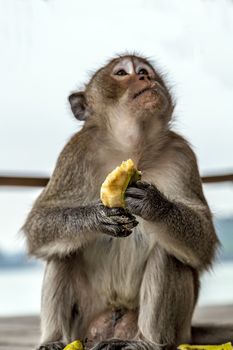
[
  {"x": 23, "y": 181},
  {"x": 28, "y": 181},
  {"x": 217, "y": 178}
]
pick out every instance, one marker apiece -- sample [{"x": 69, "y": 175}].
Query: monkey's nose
[{"x": 144, "y": 77}]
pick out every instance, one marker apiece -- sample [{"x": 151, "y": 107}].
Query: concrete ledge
[{"x": 23, "y": 333}]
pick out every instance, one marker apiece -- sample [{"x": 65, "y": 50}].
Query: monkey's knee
[{"x": 166, "y": 308}]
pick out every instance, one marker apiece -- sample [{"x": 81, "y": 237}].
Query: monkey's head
[{"x": 127, "y": 84}]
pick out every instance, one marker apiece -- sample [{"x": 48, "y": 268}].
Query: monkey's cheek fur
[{"x": 112, "y": 192}]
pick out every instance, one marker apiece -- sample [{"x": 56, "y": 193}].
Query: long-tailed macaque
[{"x": 122, "y": 278}]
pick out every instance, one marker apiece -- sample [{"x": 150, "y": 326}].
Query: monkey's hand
[
  {"x": 116, "y": 222},
  {"x": 145, "y": 200}
]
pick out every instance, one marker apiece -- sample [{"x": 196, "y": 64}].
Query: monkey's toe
[
  {"x": 113, "y": 344},
  {"x": 52, "y": 346}
]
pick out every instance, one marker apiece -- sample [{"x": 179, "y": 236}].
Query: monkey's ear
[{"x": 78, "y": 105}]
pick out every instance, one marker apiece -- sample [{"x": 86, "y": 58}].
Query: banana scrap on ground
[
  {"x": 227, "y": 346},
  {"x": 78, "y": 345}
]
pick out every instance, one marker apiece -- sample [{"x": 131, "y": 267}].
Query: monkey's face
[{"x": 128, "y": 82}]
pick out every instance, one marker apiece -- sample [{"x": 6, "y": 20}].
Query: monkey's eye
[
  {"x": 143, "y": 71},
  {"x": 121, "y": 72}
]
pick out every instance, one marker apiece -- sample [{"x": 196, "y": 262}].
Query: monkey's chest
[{"x": 115, "y": 268}]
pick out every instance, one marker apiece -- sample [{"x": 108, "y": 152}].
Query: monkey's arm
[
  {"x": 60, "y": 221},
  {"x": 185, "y": 232},
  {"x": 183, "y": 223},
  {"x": 58, "y": 231}
]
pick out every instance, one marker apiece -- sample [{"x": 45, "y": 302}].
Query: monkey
[{"x": 122, "y": 278}]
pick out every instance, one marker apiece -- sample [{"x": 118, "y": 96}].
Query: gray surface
[
  {"x": 19, "y": 333},
  {"x": 22, "y": 333},
  {"x": 214, "y": 314}
]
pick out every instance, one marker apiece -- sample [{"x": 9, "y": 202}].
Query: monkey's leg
[
  {"x": 58, "y": 305},
  {"x": 167, "y": 298}
]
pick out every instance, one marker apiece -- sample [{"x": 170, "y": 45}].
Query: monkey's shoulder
[
  {"x": 79, "y": 144},
  {"x": 76, "y": 155},
  {"x": 75, "y": 171},
  {"x": 179, "y": 159},
  {"x": 181, "y": 147},
  {"x": 176, "y": 173}
]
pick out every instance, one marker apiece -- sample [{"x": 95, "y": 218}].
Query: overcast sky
[{"x": 48, "y": 48}]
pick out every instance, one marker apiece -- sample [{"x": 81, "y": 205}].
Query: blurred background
[{"x": 49, "y": 48}]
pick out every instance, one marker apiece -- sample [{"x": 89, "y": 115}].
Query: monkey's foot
[
  {"x": 117, "y": 344},
  {"x": 57, "y": 345},
  {"x": 112, "y": 344}
]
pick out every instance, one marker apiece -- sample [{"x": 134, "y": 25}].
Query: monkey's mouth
[{"x": 139, "y": 93}]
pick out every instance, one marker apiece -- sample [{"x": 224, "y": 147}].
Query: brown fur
[{"x": 153, "y": 271}]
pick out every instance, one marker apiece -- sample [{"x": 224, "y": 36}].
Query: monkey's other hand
[
  {"x": 145, "y": 200},
  {"x": 116, "y": 222}
]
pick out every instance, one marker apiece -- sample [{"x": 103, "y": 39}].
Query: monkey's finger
[
  {"x": 135, "y": 193},
  {"x": 118, "y": 220},
  {"x": 116, "y": 211},
  {"x": 134, "y": 205},
  {"x": 124, "y": 219},
  {"x": 141, "y": 184},
  {"x": 119, "y": 212},
  {"x": 123, "y": 232},
  {"x": 128, "y": 224},
  {"x": 116, "y": 230},
  {"x": 109, "y": 211}
]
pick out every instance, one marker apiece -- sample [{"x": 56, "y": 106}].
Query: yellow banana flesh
[
  {"x": 227, "y": 346},
  {"x": 76, "y": 345},
  {"x": 113, "y": 189}
]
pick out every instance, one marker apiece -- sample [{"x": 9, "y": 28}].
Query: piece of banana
[
  {"x": 227, "y": 346},
  {"x": 76, "y": 345},
  {"x": 112, "y": 192}
]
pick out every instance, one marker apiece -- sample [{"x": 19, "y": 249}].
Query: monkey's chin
[
  {"x": 150, "y": 105},
  {"x": 148, "y": 100}
]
